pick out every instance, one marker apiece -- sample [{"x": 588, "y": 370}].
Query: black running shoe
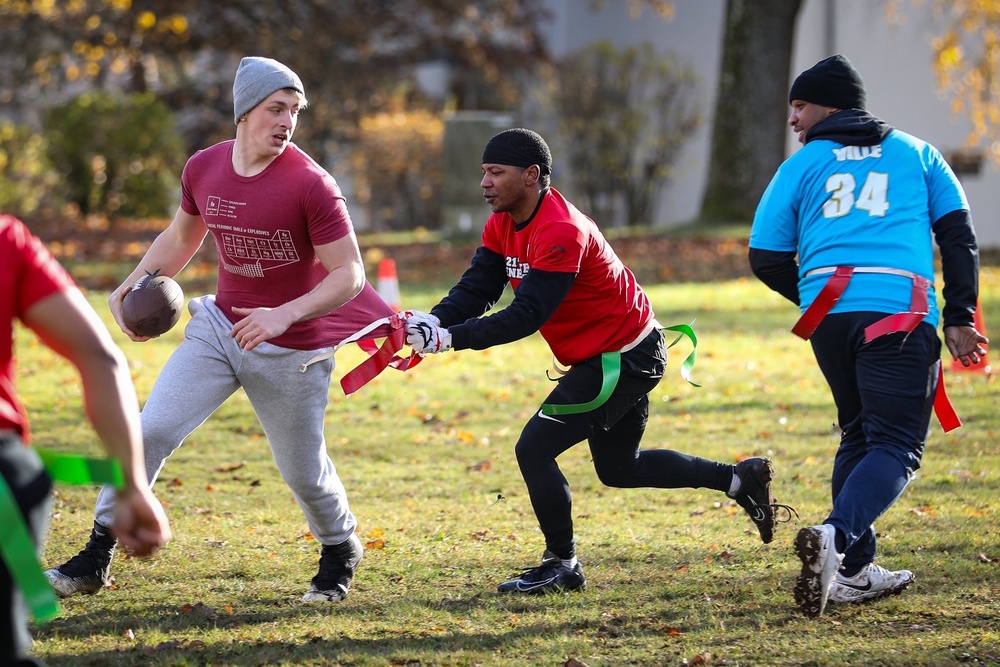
[
  {"x": 549, "y": 577},
  {"x": 90, "y": 570},
  {"x": 755, "y": 496},
  {"x": 337, "y": 565}
]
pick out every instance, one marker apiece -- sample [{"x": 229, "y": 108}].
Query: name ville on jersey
[{"x": 845, "y": 153}]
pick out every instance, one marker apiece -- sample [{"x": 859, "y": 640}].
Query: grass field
[{"x": 675, "y": 577}]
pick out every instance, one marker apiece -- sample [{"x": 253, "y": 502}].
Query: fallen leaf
[
  {"x": 482, "y": 466},
  {"x": 573, "y": 662},
  {"x": 375, "y": 544},
  {"x": 128, "y": 634},
  {"x": 231, "y": 467},
  {"x": 176, "y": 481}
]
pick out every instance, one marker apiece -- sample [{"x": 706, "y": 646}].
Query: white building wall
[{"x": 895, "y": 61}]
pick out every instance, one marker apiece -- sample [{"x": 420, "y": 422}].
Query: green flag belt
[
  {"x": 611, "y": 368},
  {"x": 16, "y": 546}
]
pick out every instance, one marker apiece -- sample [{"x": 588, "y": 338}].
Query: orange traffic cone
[
  {"x": 984, "y": 364},
  {"x": 388, "y": 284}
]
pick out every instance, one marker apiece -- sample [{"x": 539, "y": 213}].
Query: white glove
[
  {"x": 425, "y": 337},
  {"x": 419, "y": 316}
]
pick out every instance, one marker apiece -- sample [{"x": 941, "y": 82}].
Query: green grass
[{"x": 675, "y": 576}]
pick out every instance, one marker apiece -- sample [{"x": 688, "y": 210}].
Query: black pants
[
  {"x": 30, "y": 485},
  {"x": 614, "y": 432},
  {"x": 884, "y": 391}
]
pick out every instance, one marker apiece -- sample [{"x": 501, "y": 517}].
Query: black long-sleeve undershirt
[{"x": 537, "y": 296}]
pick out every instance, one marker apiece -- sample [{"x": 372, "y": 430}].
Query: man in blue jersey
[{"x": 844, "y": 231}]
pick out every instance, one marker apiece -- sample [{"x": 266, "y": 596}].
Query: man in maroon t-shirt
[
  {"x": 291, "y": 286},
  {"x": 571, "y": 287}
]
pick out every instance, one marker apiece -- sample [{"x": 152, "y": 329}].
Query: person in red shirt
[
  {"x": 570, "y": 286},
  {"x": 291, "y": 285},
  {"x": 36, "y": 290}
]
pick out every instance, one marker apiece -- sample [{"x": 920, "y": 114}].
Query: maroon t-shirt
[{"x": 266, "y": 228}]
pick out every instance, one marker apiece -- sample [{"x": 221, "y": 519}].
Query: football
[{"x": 153, "y": 306}]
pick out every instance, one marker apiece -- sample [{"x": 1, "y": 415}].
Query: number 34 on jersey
[{"x": 873, "y": 196}]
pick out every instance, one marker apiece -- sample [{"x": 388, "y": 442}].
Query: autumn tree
[
  {"x": 751, "y": 106},
  {"x": 353, "y": 55},
  {"x": 625, "y": 115},
  {"x": 967, "y": 65}
]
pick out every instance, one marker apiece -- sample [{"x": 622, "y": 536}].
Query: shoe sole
[
  {"x": 541, "y": 590},
  {"x": 66, "y": 587},
  {"x": 809, "y": 593}
]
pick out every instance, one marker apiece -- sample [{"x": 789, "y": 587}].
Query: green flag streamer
[
  {"x": 611, "y": 367},
  {"x": 18, "y": 552},
  {"x": 72, "y": 469},
  {"x": 686, "y": 330},
  {"x": 16, "y": 546}
]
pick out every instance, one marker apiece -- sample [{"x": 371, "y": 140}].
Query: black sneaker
[
  {"x": 337, "y": 565},
  {"x": 549, "y": 577},
  {"x": 755, "y": 494},
  {"x": 90, "y": 570}
]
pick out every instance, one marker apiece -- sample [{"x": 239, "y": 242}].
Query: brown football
[{"x": 153, "y": 306}]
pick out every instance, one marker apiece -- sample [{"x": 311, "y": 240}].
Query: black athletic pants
[{"x": 614, "y": 432}]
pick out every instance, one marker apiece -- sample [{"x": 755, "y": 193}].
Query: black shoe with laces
[
  {"x": 90, "y": 570},
  {"x": 337, "y": 565},
  {"x": 755, "y": 496},
  {"x": 549, "y": 577}
]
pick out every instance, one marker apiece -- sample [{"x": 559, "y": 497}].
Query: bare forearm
[
  {"x": 337, "y": 288},
  {"x": 113, "y": 411}
]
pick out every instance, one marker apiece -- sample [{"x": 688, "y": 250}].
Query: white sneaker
[
  {"x": 871, "y": 583},
  {"x": 816, "y": 548}
]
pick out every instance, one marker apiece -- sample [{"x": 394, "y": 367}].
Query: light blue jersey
[{"x": 858, "y": 206}]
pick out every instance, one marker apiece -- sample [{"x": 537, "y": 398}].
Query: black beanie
[
  {"x": 832, "y": 82},
  {"x": 518, "y": 148}
]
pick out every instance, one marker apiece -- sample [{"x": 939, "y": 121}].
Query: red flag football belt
[
  {"x": 379, "y": 358},
  {"x": 906, "y": 321}
]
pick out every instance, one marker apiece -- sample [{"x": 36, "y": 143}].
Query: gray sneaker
[
  {"x": 871, "y": 583},
  {"x": 337, "y": 565},
  {"x": 90, "y": 570}
]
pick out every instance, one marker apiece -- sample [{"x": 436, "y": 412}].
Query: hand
[
  {"x": 115, "y": 301},
  {"x": 258, "y": 325},
  {"x": 965, "y": 344},
  {"x": 139, "y": 521},
  {"x": 419, "y": 316},
  {"x": 425, "y": 337}
]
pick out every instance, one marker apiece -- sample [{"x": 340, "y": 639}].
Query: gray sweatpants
[{"x": 205, "y": 370}]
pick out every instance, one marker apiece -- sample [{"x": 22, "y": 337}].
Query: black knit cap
[
  {"x": 518, "y": 148},
  {"x": 832, "y": 82}
]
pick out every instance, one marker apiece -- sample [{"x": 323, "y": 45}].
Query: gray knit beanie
[{"x": 256, "y": 79}]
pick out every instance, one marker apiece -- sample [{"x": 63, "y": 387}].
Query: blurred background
[{"x": 661, "y": 113}]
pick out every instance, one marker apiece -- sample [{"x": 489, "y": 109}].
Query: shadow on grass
[{"x": 374, "y": 634}]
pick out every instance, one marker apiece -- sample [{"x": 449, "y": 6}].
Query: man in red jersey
[
  {"x": 570, "y": 285},
  {"x": 291, "y": 285},
  {"x": 35, "y": 289}
]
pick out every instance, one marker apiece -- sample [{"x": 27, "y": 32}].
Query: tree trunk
[{"x": 751, "y": 107}]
